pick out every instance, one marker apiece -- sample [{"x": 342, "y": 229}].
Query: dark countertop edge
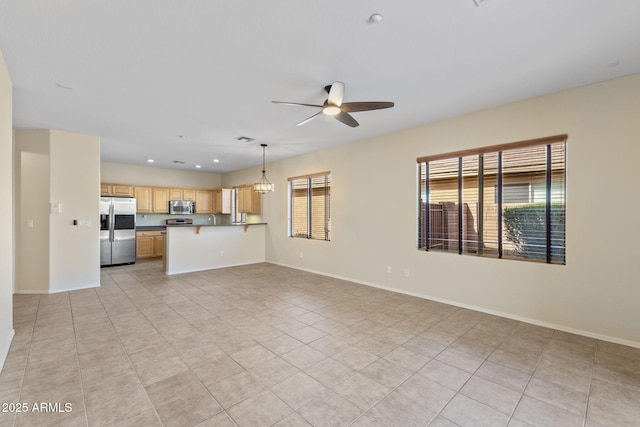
[
  {"x": 217, "y": 225},
  {"x": 151, "y": 228}
]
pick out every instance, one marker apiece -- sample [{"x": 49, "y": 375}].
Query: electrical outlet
[
  {"x": 389, "y": 269},
  {"x": 406, "y": 272},
  {"x": 221, "y": 252},
  {"x": 301, "y": 254}
]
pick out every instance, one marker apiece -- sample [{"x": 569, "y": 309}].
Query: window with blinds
[
  {"x": 504, "y": 201},
  {"x": 309, "y": 206}
]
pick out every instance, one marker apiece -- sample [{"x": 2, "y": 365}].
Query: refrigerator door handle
[{"x": 111, "y": 223}]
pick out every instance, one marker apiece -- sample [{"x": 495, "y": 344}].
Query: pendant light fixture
[{"x": 263, "y": 186}]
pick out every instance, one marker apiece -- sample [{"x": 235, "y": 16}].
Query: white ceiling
[{"x": 144, "y": 73}]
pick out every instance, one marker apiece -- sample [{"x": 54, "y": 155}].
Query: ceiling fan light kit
[
  {"x": 263, "y": 186},
  {"x": 331, "y": 110},
  {"x": 334, "y": 107}
]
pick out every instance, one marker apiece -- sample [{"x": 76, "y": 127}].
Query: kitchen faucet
[{"x": 212, "y": 216}]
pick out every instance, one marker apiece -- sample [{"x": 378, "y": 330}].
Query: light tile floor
[{"x": 267, "y": 345}]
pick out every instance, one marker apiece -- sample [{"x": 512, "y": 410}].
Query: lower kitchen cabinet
[{"x": 149, "y": 244}]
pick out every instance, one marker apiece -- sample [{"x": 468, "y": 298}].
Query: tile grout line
[
  {"x": 75, "y": 342},
  {"x": 26, "y": 363},
  {"x": 127, "y": 353},
  {"x": 593, "y": 366}
]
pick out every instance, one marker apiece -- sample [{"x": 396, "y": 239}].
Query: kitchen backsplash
[{"x": 202, "y": 219}]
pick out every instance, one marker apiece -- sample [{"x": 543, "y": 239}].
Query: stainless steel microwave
[{"x": 182, "y": 207}]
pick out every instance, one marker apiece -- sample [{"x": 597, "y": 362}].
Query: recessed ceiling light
[
  {"x": 178, "y": 162},
  {"x": 64, "y": 86},
  {"x": 215, "y": 160},
  {"x": 198, "y": 166},
  {"x": 376, "y": 18},
  {"x": 613, "y": 64},
  {"x": 150, "y": 160},
  {"x": 245, "y": 139}
]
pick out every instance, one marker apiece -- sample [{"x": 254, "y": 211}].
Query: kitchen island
[{"x": 203, "y": 247}]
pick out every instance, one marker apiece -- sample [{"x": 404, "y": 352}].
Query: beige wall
[
  {"x": 6, "y": 214},
  {"x": 75, "y": 183},
  {"x": 56, "y": 167},
  {"x": 32, "y": 207},
  {"x": 374, "y": 204},
  {"x": 118, "y": 173}
]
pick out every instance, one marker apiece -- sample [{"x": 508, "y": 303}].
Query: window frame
[
  {"x": 425, "y": 231},
  {"x": 310, "y": 235}
]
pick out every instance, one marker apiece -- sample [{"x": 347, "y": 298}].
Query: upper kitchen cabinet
[
  {"x": 144, "y": 197},
  {"x": 116, "y": 190},
  {"x": 249, "y": 201},
  {"x": 205, "y": 202},
  {"x": 182, "y": 194},
  {"x": 160, "y": 200}
]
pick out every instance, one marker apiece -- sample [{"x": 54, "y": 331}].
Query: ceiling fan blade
[
  {"x": 336, "y": 94},
  {"x": 347, "y": 119},
  {"x": 352, "y": 107},
  {"x": 296, "y": 103},
  {"x": 307, "y": 120}
]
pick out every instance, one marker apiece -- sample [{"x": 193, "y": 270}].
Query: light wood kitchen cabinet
[
  {"x": 158, "y": 245},
  {"x": 182, "y": 194},
  {"x": 156, "y": 199},
  {"x": 144, "y": 246},
  {"x": 144, "y": 198},
  {"x": 189, "y": 195},
  {"x": 117, "y": 190},
  {"x": 175, "y": 194},
  {"x": 205, "y": 201},
  {"x": 149, "y": 244},
  {"x": 160, "y": 200},
  {"x": 249, "y": 201}
]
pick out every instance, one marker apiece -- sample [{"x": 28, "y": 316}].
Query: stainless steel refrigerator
[{"x": 117, "y": 230}]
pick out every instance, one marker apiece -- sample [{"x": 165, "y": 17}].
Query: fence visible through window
[{"x": 505, "y": 201}]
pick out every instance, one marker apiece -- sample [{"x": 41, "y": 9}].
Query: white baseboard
[
  {"x": 475, "y": 308},
  {"x": 57, "y": 291},
  {"x": 172, "y": 273}
]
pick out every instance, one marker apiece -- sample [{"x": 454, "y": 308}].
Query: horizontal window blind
[
  {"x": 508, "y": 203},
  {"x": 309, "y": 206}
]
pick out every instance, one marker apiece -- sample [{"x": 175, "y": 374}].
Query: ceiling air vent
[{"x": 178, "y": 162}]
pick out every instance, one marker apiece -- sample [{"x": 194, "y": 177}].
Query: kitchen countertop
[{"x": 164, "y": 227}]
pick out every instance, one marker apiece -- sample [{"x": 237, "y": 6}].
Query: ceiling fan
[{"x": 333, "y": 106}]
